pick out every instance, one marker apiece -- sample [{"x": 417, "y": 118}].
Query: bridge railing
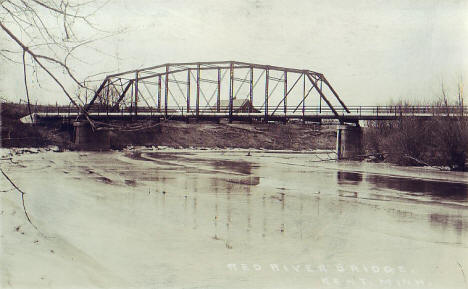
[{"x": 289, "y": 110}]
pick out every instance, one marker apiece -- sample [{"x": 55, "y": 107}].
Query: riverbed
[{"x": 167, "y": 218}]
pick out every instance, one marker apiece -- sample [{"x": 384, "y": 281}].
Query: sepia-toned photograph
[{"x": 243, "y": 144}]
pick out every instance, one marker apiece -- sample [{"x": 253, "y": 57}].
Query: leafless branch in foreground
[
  {"x": 22, "y": 198},
  {"x": 50, "y": 49},
  {"x": 26, "y": 86}
]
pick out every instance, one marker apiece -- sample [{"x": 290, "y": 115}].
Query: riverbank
[
  {"x": 274, "y": 136},
  {"x": 176, "y": 134}
]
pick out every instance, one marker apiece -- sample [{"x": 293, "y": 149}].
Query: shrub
[{"x": 439, "y": 141}]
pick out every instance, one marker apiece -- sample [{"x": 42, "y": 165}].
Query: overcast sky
[{"x": 371, "y": 51}]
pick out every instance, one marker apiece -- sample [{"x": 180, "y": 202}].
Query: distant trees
[{"x": 441, "y": 141}]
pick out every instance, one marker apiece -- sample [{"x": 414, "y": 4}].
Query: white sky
[{"x": 371, "y": 51}]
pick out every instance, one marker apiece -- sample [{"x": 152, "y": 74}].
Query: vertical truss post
[
  {"x": 159, "y": 93},
  {"x": 188, "y": 91},
  {"x": 86, "y": 94},
  {"x": 251, "y": 89},
  {"x": 218, "y": 96},
  {"x": 231, "y": 90},
  {"x": 267, "y": 78},
  {"x": 285, "y": 102},
  {"x": 303, "y": 98},
  {"x": 320, "y": 99},
  {"x": 166, "y": 90},
  {"x": 107, "y": 97},
  {"x": 131, "y": 98},
  {"x": 136, "y": 93},
  {"x": 197, "y": 105}
]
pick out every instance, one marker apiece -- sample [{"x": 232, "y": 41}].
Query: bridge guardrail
[{"x": 306, "y": 110}]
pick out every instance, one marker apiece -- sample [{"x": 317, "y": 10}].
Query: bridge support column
[
  {"x": 85, "y": 138},
  {"x": 348, "y": 142}
]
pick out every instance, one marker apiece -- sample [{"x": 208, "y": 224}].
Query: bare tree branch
[
  {"x": 22, "y": 198},
  {"x": 26, "y": 85},
  {"x": 36, "y": 58}
]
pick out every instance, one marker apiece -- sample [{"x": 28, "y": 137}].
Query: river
[{"x": 166, "y": 218}]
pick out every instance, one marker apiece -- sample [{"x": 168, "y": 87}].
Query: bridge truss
[{"x": 224, "y": 88}]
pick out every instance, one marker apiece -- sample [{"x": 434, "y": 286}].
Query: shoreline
[{"x": 348, "y": 166}]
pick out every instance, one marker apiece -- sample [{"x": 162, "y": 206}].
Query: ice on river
[{"x": 230, "y": 219}]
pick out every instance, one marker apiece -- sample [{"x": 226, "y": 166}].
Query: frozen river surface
[{"x": 227, "y": 219}]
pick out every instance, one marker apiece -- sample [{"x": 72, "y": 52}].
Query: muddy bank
[
  {"x": 271, "y": 136},
  {"x": 175, "y": 134},
  {"x": 274, "y": 136}
]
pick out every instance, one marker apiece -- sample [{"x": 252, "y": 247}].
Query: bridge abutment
[
  {"x": 348, "y": 142},
  {"x": 86, "y": 138}
]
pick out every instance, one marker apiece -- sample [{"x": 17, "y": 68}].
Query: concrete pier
[
  {"x": 348, "y": 142},
  {"x": 88, "y": 139}
]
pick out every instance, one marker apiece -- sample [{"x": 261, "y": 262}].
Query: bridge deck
[{"x": 308, "y": 114}]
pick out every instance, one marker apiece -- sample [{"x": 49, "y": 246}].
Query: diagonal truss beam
[
  {"x": 123, "y": 94},
  {"x": 321, "y": 94},
  {"x": 334, "y": 92},
  {"x": 287, "y": 93}
]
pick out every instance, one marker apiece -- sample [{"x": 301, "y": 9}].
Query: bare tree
[
  {"x": 452, "y": 132},
  {"x": 440, "y": 141},
  {"x": 43, "y": 38}
]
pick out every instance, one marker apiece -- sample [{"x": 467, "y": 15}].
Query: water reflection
[
  {"x": 419, "y": 187},
  {"x": 239, "y": 167},
  {"x": 444, "y": 221},
  {"x": 235, "y": 166},
  {"x": 229, "y": 196},
  {"x": 411, "y": 186},
  {"x": 348, "y": 177},
  {"x": 275, "y": 212}
]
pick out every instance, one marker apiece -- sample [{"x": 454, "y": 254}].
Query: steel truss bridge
[
  {"x": 226, "y": 88},
  {"x": 229, "y": 89}
]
